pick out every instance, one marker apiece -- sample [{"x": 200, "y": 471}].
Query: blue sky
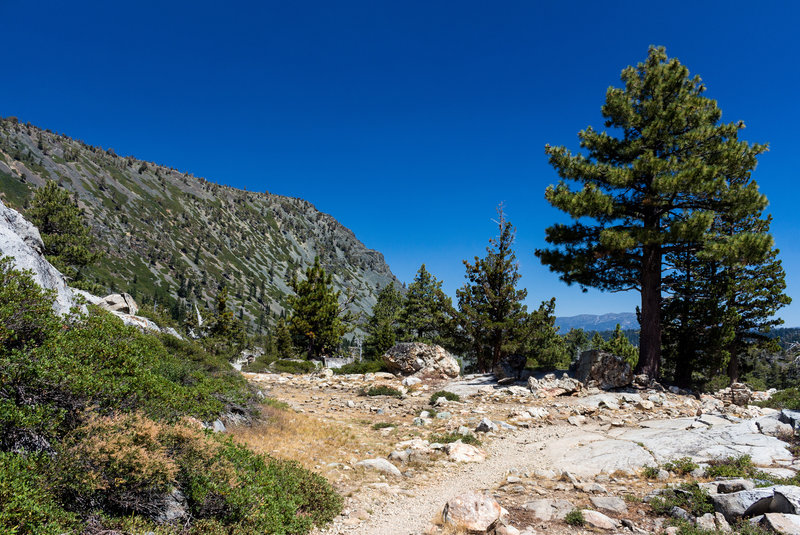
[{"x": 407, "y": 121}]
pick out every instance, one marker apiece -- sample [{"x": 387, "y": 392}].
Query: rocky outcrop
[
  {"x": 122, "y": 303},
  {"x": 21, "y": 240},
  {"x": 549, "y": 385},
  {"x": 422, "y": 359},
  {"x": 603, "y": 370},
  {"x": 736, "y": 394}
]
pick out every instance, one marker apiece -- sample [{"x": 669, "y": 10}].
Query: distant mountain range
[{"x": 594, "y": 322}]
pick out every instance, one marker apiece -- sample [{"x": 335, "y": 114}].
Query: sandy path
[{"x": 410, "y": 515}]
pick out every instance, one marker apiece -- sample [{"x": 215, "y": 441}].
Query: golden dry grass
[{"x": 304, "y": 438}]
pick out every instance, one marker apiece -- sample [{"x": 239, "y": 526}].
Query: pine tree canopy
[
  {"x": 652, "y": 185},
  {"x": 427, "y": 314},
  {"x": 383, "y": 324},
  {"x": 317, "y": 321},
  {"x": 60, "y": 221}
]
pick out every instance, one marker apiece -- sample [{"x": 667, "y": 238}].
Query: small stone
[
  {"x": 350, "y": 404},
  {"x": 443, "y": 415},
  {"x": 486, "y": 426},
  {"x": 706, "y": 522}
]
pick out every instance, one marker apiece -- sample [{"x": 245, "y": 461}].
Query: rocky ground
[{"x": 540, "y": 456}]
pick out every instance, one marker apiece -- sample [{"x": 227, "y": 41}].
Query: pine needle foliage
[
  {"x": 491, "y": 309},
  {"x": 650, "y": 186},
  {"x": 60, "y": 221},
  {"x": 317, "y": 320}
]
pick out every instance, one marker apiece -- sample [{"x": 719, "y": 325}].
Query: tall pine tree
[
  {"x": 383, "y": 324},
  {"x": 490, "y": 305},
  {"x": 427, "y": 315},
  {"x": 317, "y": 321},
  {"x": 652, "y": 185}
]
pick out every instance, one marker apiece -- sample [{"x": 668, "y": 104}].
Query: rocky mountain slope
[{"x": 174, "y": 238}]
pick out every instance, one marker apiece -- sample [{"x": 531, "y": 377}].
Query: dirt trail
[{"x": 410, "y": 515}]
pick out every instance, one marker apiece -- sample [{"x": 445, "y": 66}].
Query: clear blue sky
[{"x": 407, "y": 121}]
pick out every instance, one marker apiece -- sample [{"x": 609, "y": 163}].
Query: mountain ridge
[
  {"x": 598, "y": 322},
  {"x": 172, "y": 238}
]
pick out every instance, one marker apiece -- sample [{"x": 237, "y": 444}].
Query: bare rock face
[
  {"x": 21, "y": 240},
  {"x": 473, "y": 512},
  {"x": 122, "y": 303},
  {"x": 604, "y": 370},
  {"x": 418, "y": 358}
]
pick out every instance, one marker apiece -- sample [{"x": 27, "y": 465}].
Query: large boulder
[
  {"x": 603, "y": 369},
  {"x": 122, "y": 303},
  {"x": 472, "y": 512},
  {"x": 417, "y": 358},
  {"x": 21, "y": 240}
]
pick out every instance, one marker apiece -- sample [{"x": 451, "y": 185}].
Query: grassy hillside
[{"x": 173, "y": 239}]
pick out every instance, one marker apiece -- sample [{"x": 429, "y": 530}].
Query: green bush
[
  {"x": 731, "y": 467},
  {"x": 364, "y": 366},
  {"x": 107, "y": 401},
  {"x": 688, "y": 496},
  {"x": 575, "y": 518},
  {"x": 260, "y": 364},
  {"x": 383, "y": 390},
  {"x": 650, "y": 472},
  {"x": 681, "y": 466},
  {"x": 449, "y": 396},
  {"x": 127, "y": 464},
  {"x": 27, "y": 505},
  {"x": 783, "y": 399},
  {"x": 448, "y": 438},
  {"x": 294, "y": 366},
  {"x": 383, "y": 425}
]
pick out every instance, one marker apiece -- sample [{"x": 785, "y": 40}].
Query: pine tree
[
  {"x": 490, "y": 306},
  {"x": 283, "y": 340},
  {"x": 620, "y": 346},
  {"x": 577, "y": 341},
  {"x": 651, "y": 191},
  {"x": 383, "y": 324},
  {"x": 541, "y": 343},
  {"x": 427, "y": 314},
  {"x": 317, "y": 322},
  {"x": 60, "y": 221}
]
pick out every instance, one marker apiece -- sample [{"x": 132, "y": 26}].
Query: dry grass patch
[{"x": 312, "y": 442}]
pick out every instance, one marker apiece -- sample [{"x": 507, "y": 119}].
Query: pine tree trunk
[
  {"x": 650, "y": 337},
  {"x": 733, "y": 366}
]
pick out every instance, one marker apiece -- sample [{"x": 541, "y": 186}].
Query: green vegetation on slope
[{"x": 99, "y": 423}]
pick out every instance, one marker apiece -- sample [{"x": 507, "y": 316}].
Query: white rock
[
  {"x": 380, "y": 465},
  {"x": 464, "y": 453},
  {"x": 21, "y": 240},
  {"x": 472, "y": 511},
  {"x": 598, "y": 520}
]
